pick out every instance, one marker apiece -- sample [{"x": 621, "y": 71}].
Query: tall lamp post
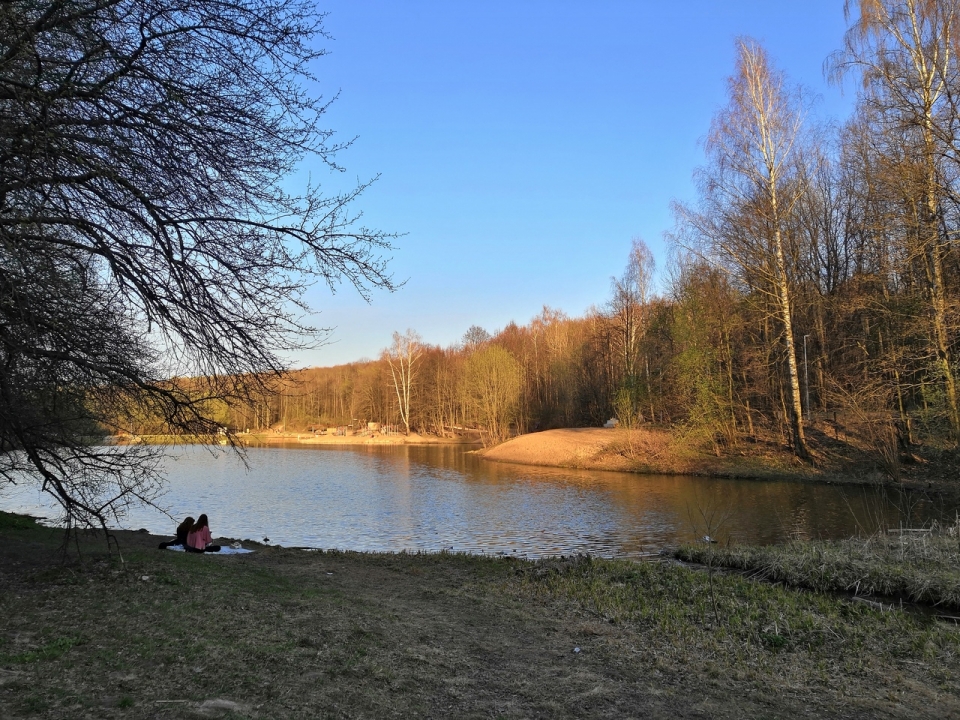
[{"x": 806, "y": 377}]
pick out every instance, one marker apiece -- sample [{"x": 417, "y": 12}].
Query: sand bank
[
  {"x": 375, "y": 439},
  {"x": 658, "y": 451},
  {"x": 648, "y": 450},
  {"x": 567, "y": 447}
]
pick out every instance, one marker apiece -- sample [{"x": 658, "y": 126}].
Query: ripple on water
[{"x": 392, "y": 498}]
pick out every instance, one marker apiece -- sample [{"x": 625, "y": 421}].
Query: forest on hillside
[{"x": 816, "y": 276}]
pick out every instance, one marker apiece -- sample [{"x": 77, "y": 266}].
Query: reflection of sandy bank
[
  {"x": 575, "y": 447},
  {"x": 370, "y": 439}
]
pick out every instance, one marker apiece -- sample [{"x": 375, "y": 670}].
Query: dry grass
[
  {"x": 293, "y": 634},
  {"x": 921, "y": 567}
]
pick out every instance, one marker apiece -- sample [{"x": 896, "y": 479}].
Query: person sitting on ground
[
  {"x": 199, "y": 538},
  {"x": 181, "y": 538}
]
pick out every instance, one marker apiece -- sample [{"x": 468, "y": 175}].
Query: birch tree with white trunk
[
  {"x": 403, "y": 357},
  {"x": 750, "y": 189},
  {"x": 906, "y": 53},
  {"x": 628, "y": 307}
]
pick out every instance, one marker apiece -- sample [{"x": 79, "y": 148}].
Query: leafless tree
[
  {"x": 628, "y": 304},
  {"x": 403, "y": 357},
  {"x": 474, "y": 338},
  {"x": 906, "y": 53},
  {"x": 750, "y": 188},
  {"x": 147, "y": 228}
]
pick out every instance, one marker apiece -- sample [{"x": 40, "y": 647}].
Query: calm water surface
[{"x": 391, "y": 498}]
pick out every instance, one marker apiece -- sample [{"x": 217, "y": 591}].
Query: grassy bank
[
  {"x": 287, "y": 633},
  {"x": 919, "y": 567}
]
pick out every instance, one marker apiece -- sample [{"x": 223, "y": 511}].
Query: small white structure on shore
[{"x": 611, "y": 423}]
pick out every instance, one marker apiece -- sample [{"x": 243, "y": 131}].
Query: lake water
[{"x": 391, "y": 498}]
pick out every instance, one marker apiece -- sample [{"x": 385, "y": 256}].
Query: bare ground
[
  {"x": 291, "y": 634},
  {"x": 566, "y": 447}
]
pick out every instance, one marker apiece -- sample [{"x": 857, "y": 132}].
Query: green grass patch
[
  {"x": 12, "y": 521},
  {"x": 738, "y": 618},
  {"x": 46, "y": 652},
  {"x": 923, "y": 568},
  {"x": 292, "y": 634}
]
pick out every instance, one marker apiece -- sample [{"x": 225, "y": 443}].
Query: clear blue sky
[{"x": 522, "y": 144}]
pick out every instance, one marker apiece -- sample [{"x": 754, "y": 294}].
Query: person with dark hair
[
  {"x": 181, "y": 538},
  {"x": 199, "y": 538}
]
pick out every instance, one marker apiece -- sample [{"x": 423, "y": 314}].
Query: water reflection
[{"x": 388, "y": 498}]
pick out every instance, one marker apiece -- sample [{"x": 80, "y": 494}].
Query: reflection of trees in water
[
  {"x": 890, "y": 507},
  {"x": 426, "y": 497},
  {"x": 654, "y": 508}
]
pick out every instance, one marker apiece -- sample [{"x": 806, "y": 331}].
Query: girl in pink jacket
[{"x": 199, "y": 538}]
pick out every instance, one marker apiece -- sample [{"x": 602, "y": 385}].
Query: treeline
[
  {"x": 816, "y": 274},
  {"x": 555, "y": 371}
]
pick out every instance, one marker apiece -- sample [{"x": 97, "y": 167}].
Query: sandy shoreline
[
  {"x": 656, "y": 451},
  {"x": 375, "y": 439},
  {"x": 567, "y": 447},
  {"x": 652, "y": 451},
  {"x": 304, "y": 438}
]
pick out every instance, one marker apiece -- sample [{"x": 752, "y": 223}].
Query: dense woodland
[{"x": 816, "y": 275}]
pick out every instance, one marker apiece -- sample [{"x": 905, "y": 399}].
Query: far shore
[
  {"x": 655, "y": 450},
  {"x": 658, "y": 451},
  {"x": 652, "y": 450},
  {"x": 643, "y": 450},
  {"x": 306, "y": 438}
]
